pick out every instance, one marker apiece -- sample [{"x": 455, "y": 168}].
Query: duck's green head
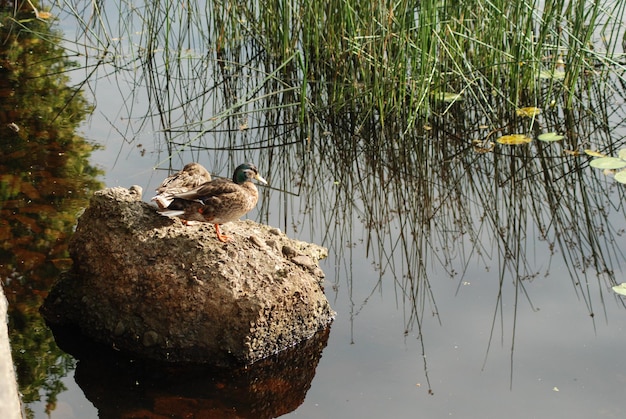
[{"x": 245, "y": 172}]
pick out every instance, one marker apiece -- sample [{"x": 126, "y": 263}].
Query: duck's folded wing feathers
[{"x": 216, "y": 187}]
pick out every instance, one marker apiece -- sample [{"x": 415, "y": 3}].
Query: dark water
[{"x": 466, "y": 285}]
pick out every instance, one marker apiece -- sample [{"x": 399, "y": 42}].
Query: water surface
[{"x": 467, "y": 284}]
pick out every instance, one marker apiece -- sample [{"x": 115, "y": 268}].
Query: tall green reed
[{"x": 379, "y": 57}]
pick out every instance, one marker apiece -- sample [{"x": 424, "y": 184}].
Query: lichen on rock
[{"x": 155, "y": 287}]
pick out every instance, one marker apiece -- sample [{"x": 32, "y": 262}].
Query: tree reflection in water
[{"x": 45, "y": 180}]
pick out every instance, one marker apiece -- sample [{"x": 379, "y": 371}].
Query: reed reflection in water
[
  {"x": 428, "y": 201},
  {"x": 423, "y": 199}
]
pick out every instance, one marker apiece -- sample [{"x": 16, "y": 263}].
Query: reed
[{"x": 382, "y": 57}]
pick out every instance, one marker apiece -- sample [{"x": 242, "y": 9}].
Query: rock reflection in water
[{"x": 123, "y": 387}]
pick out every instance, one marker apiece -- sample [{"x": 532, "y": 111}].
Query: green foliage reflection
[{"x": 45, "y": 179}]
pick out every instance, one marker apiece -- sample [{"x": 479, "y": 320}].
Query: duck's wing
[
  {"x": 214, "y": 188},
  {"x": 192, "y": 175},
  {"x": 176, "y": 181}
]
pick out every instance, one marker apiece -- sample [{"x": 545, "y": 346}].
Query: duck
[
  {"x": 218, "y": 201},
  {"x": 191, "y": 176}
]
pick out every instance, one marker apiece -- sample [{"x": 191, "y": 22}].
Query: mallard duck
[
  {"x": 220, "y": 200},
  {"x": 192, "y": 175}
]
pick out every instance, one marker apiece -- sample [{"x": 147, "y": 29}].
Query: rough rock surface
[{"x": 152, "y": 286}]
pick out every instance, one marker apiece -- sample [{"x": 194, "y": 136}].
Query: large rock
[{"x": 150, "y": 285}]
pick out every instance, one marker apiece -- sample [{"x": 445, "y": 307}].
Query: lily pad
[
  {"x": 555, "y": 75},
  {"x": 514, "y": 139},
  {"x": 620, "y": 289},
  {"x": 608, "y": 163},
  {"x": 550, "y": 136},
  {"x": 529, "y": 111},
  {"x": 621, "y": 176},
  {"x": 449, "y": 97},
  {"x": 594, "y": 153}
]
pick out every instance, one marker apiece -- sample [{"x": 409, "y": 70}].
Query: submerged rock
[{"x": 152, "y": 286}]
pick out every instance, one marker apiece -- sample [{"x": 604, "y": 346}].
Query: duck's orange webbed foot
[{"x": 221, "y": 237}]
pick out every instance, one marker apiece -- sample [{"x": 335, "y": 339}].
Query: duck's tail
[
  {"x": 171, "y": 213},
  {"x": 163, "y": 200}
]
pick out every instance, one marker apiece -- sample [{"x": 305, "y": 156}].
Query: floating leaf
[
  {"x": 550, "y": 136},
  {"x": 448, "y": 96},
  {"x": 594, "y": 153},
  {"x": 514, "y": 139},
  {"x": 608, "y": 163},
  {"x": 620, "y": 289},
  {"x": 529, "y": 111},
  {"x": 622, "y": 154},
  {"x": 555, "y": 75},
  {"x": 621, "y": 176}
]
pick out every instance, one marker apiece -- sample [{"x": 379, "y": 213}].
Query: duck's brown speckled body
[
  {"x": 219, "y": 201},
  {"x": 191, "y": 176}
]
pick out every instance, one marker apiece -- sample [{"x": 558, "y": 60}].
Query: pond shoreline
[{"x": 10, "y": 406}]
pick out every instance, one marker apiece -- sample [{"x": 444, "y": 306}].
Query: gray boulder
[{"x": 149, "y": 285}]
